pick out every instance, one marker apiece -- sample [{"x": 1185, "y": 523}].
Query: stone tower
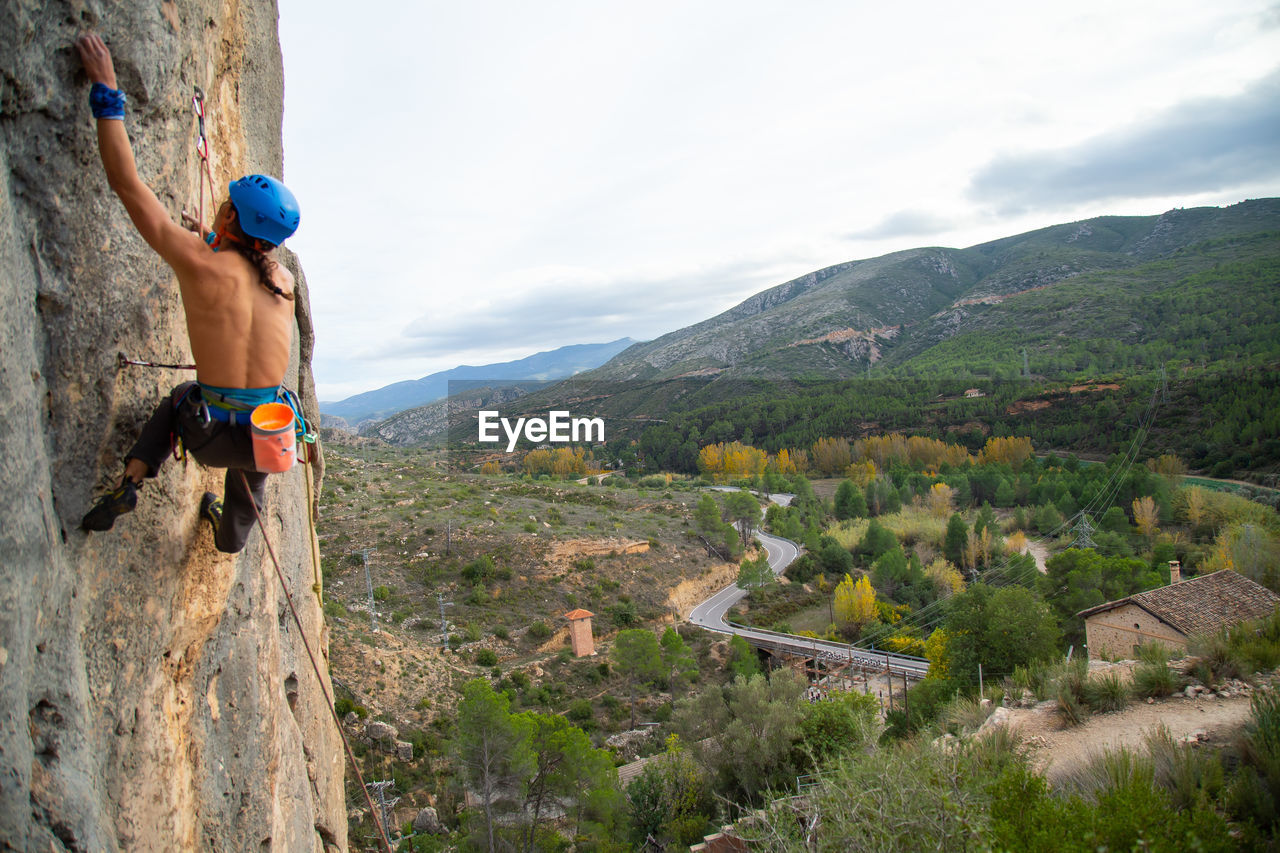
[{"x": 580, "y": 632}]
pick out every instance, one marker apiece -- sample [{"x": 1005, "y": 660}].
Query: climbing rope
[{"x": 297, "y": 620}]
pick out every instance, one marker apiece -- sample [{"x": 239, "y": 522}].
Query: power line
[
  {"x": 368, "y": 580},
  {"x": 444, "y": 623}
]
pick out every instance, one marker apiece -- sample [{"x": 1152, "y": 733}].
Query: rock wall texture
[{"x": 154, "y": 694}]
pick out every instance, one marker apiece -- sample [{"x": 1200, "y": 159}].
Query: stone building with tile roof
[
  {"x": 580, "y": 632},
  {"x": 1172, "y": 614}
]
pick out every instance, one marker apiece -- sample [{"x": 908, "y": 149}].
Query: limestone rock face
[{"x": 154, "y": 694}]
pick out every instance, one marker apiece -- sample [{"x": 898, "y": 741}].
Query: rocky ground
[{"x": 1197, "y": 714}]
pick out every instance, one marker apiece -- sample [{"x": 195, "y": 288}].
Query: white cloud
[{"x": 490, "y": 179}]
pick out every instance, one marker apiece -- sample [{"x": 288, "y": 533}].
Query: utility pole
[
  {"x": 368, "y": 581},
  {"x": 1084, "y": 533},
  {"x": 1026, "y": 367},
  {"x": 385, "y": 805},
  {"x": 448, "y": 536},
  {"x": 444, "y": 623}
]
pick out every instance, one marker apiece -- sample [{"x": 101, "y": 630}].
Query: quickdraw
[
  {"x": 123, "y": 361},
  {"x": 202, "y": 148}
]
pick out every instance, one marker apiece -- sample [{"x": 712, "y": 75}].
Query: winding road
[{"x": 710, "y": 615}]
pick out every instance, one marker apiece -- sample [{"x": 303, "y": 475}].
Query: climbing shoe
[
  {"x": 123, "y": 498},
  {"x": 211, "y": 509}
]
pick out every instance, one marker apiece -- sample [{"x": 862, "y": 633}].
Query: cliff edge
[{"x": 154, "y": 694}]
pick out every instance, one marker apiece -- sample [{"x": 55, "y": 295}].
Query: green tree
[
  {"x": 999, "y": 628},
  {"x": 492, "y": 748},
  {"x": 569, "y": 776},
  {"x": 677, "y": 659},
  {"x": 957, "y": 536},
  {"x": 747, "y": 733},
  {"x": 671, "y": 801},
  {"x": 742, "y": 510},
  {"x": 838, "y": 725},
  {"x": 719, "y": 537},
  {"x": 850, "y": 502},
  {"x": 755, "y": 573},
  {"x": 1078, "y": 579},
  {"x": 1005, "y": 495},
  {"x": 877, "y": 540},
  {"x": 834, "y": 557},
  {"x": 638, "y": 659},
  {"x": 743, "y": 662}
]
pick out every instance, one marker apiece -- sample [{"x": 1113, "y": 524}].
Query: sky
[{"x": 483, "y": 180}]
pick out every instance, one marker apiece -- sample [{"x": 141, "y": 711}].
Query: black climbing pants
[{"x": 216, "y": 444}]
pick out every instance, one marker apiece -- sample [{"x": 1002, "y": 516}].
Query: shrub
[
  {"x": 1070, "y": 708},
  {"x": 1153, "y": 653},
  {"x": 965, "y": 715},
  {"x": 539, "y": 630},
  {"x": 486, "y": 657},
  {"x": 580, "y": 711},
  {"x": 1192, "y": 777},
  {"x": 1154, "y": 680},
  {"x": 501, "y": 632},
  {"x": 1106, "y": 693}
]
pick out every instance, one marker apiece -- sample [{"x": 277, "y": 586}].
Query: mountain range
[
  {"x": 542, "y": 366},
  {"x": 889, "y": 311}
]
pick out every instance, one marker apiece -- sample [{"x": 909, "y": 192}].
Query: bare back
[{"x": 241, "y": 334}]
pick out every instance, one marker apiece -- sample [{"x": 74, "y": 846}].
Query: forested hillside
[{"x": 1063, "y": 335}]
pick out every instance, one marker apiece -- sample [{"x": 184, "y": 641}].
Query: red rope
[{"x": 377, "y": 819}]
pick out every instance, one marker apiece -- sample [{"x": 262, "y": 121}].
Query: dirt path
[
  {"x": 1056, "y": 749},
  {"x": 1040, "y": 552}
]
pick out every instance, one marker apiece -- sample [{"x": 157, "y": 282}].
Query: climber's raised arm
[{"x": 171, "y": 241}]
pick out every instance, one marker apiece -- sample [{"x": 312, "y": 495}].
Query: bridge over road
[{"x": 710, "y": 615}]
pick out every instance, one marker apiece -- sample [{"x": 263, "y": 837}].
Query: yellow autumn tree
[
  {"x": 1146, "y": 517},
  {"x": 731, "y": 461},
  {"x": 783, "y": 464},
  {"x": 1016, "y": 542},
  {"x": 1170, "y": 466},
  {"x": 1010, "y": 450},
  {"x": 861, "y": 472},
  {"x": 855, "y": 603},
  {"x": 562, "y": 463},
  {"x": 946, "y": 578},
  {"x": 1195, "y": 509},
  {"x": 936, "y": 650},
  {"x": 831, "y": 456},
  {"x": 1249, "y": 549},
  {"x": 490, "y": 469},
  {"x": 939, "y": 500}
]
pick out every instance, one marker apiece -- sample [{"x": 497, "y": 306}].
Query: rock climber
[{"x": 239, "y": 306}]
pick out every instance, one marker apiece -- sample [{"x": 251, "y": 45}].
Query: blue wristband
[{"x": 106, "y": 102}]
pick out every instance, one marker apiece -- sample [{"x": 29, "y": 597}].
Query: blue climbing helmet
[{"x": 266, "y": 209}]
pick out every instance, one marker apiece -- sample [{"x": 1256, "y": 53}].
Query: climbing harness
[
  {"x": 297, "y": 620},
  {"x": 202, "y": 148}
]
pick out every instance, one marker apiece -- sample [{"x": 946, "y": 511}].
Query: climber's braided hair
[{"x": 249, "y": 249}]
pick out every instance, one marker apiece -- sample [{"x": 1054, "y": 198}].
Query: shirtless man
[{"x": 239, "y": 308}]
